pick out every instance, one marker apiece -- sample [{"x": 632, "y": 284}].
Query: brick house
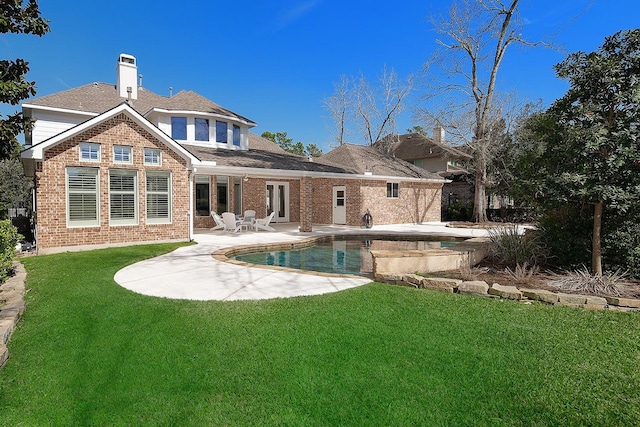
[
  {"x": 433, "y": 155},
  {"x": 118, "y": 165}
]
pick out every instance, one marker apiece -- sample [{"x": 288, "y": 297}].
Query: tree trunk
[
  {"x": 479, "y": 200},
  {"x": 596, "y": 249}
]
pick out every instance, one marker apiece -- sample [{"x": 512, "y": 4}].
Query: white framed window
[
  {"x": 89, "y": 152},
  {"x": 123, "y": 197},
  {"x": 392, "y": 190},
  {"x": 123, "y": 154},
  {"x": 83, "y": 186},
  {"x": 158, "y": 193},
  {"x": 221, "y": 131},
  {"x": 179, "y": 128},
  {"x": 152, "y": 157},
  {"x": 202, "y": 129}
]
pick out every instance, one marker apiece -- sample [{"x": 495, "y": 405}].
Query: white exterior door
[
  {"x": 278, "y": 200},
  {"x": 340, "y": 205}
]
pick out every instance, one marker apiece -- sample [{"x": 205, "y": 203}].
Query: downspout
[{"x": 190, "y": 211}]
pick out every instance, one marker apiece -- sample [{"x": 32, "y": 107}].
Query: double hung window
[
  {"x": 123, "y": 192},
  {"x": 82, "y": 197},
  {"x": 158, "y": 194}
]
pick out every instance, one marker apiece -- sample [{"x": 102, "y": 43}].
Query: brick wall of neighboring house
[{"x": 51, "y": 189}]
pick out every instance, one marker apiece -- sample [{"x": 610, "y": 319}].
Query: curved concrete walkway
[{"x": 191, "y": 273}]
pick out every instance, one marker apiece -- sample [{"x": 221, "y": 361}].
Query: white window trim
[
  {"x": 123, "y": 162},
  {"x": 153, "y": 163},
  {"x": 91, "y": 146},
  {"x": 397, "y": 184},
  {"x": 167, "y": 220},
  {"x": 125, "y": 221},
  {"x": 82, "y": 223}
]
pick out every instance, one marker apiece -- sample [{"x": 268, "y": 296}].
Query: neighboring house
[
  {"x": 116, "y": 165},
  {"x": 433, "y": 155}
]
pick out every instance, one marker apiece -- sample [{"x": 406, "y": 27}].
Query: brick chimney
[
  {"x": 127, "y": 75},
  {"x": 438, "y": 134}
]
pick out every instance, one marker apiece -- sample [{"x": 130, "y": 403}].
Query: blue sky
[{"x": 276, "y": 61}]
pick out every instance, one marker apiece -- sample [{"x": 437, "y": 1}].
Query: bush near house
[
  {"x": 9, "y": 238},
  {"x": 621, "y": 243},
  {"x": 567, "y": 233}
]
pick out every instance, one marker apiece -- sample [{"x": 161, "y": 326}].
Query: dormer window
[
  {"x": 202, "y": 129},
  {"x": 221, "y": 132},
  {"x": 179, "y": 128}
]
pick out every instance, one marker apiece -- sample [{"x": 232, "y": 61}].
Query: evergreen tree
[{"x": 16, "y": 18}]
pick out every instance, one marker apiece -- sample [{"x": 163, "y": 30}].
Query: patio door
[
  {"x": 278, "y": 200},
  {"x": 340, "y": 204}
]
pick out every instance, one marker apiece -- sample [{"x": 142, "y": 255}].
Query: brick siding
[{"x": 51, "y": 189}]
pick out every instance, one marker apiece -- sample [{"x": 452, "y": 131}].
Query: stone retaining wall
[
  {"x": 11, "y": 307},
  {"x": 482, "y": 288}
]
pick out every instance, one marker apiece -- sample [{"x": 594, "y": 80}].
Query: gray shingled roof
[
  {"x": 261, "y": 159},
  {"x": 359, "y": 159},
  {"x": 100, "y": 97},
  {"x": 413, "y": 146},
  {"x": 260, "y": 143}
]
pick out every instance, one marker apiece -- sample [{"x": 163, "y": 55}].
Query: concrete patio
[{"x": 191, "y": 273}]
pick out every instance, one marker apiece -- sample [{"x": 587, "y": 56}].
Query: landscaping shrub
[
  {"x": 458, "y": 212},
  {"x": 9, "y": 238},
  {"x": 511, "y": 247},
  {"x": 621, "y": 244},
  {"x": 567, "y": 235}
]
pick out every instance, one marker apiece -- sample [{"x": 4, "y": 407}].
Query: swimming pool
[{"x": 341, "y": 254}]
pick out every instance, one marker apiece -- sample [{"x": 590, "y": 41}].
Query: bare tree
[
  {"x": 476, "y": 36},
  {"x": 373, "y": 111},
  {"x": 338, "y": 105}
]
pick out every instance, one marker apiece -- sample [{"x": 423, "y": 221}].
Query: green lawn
[{"x": 88, "y": 352}]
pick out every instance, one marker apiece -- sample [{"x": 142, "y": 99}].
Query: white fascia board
[
  {"x": 199, "y": 113},
  {"x": 59, "y": 110},
  {"x": 207, "y": 169}
]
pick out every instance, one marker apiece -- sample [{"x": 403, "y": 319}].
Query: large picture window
[
  {"x": 202, "y": 129},
  {"x": 123, "y": 191},
  {"x": 179, "y": 128},
  {"x": 221, "y": 131},
  {"x": 158, "y": 197},
  {"x": 82, "y": 197}
]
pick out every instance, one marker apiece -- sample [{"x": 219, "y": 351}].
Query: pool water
[{"x": 344, "y": 256}]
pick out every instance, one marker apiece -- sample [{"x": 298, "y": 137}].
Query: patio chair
[
  {"x": 263, "y": 223},
  {"x": 219, "y": 222},
  {"x": 249, "y": 219},
  {"x": 230, "y": 222}
]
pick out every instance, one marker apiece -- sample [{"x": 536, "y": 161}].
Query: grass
[{"x": 88, "y": 352}]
